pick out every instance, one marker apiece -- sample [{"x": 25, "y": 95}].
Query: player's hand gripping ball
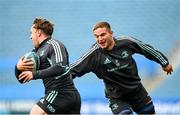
[
  {"x": 35, "y": 59},
  {"x": 36, "y": 63}
]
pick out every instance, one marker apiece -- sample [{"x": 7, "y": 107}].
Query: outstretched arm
[
  {"x": 168, "y": 68},
  {"x": 152, "y": 54},
  {"x": 148, "y": 51},
  {"x": 85, "y": 64}
]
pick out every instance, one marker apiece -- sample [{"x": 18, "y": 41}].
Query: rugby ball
[{"x": 35, "y": 59}]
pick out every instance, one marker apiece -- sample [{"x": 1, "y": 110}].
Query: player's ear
[
  {"x": 39, "y": 33},
  {"x": 110, "y": 31}
]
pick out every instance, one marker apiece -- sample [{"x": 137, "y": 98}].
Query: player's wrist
[
  {"x": 165, "y": 65},
  {"x": 36, "y": 75}
]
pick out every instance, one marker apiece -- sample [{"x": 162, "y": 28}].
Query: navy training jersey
[
  {"x": 53, "y": 68},
  {"x": 117, "y": 67}
]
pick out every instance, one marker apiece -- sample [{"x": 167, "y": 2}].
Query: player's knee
[{"x": 148, "y": 109}]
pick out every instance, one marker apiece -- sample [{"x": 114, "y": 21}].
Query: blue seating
[{"x": 152, "y": 21}]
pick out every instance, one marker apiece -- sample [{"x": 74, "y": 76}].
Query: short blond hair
[{"x": 102, "y": 25}]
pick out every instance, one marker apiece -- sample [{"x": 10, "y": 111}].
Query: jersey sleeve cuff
[{"x": 36, "y": 75}]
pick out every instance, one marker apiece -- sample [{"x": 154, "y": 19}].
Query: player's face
[
  {"x": 104, "y": 38},
  {"x": 34, "y": 36}
]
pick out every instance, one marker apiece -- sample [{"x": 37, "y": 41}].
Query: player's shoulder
[
  {"x": 55, "y": 42},
  {"x": 95, "y": 46},
  {"x": 126, "y": 39},
  {"x": 52, "y": 40}
]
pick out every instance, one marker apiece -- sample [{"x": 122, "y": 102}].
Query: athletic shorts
[
  {"x": 61, "y": 102},
  {"x": 135, "y": 101}
]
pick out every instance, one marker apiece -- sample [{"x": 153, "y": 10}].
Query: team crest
[
  {"x": 42, "y": 53},
  {"x": 124, "y": 54}
]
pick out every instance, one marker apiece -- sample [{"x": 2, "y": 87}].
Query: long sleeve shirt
[
  {"x": 53, "y": 68},
  {"x": 117, "y": 67}
]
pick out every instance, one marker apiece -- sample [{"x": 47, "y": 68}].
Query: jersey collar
[{"x": 44, "y": 41}]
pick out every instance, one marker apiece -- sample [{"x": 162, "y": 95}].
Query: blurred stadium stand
[{"x": 155, "y": 22}]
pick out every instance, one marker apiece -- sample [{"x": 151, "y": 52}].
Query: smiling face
[
  {"x": 34, "y": 36},
  {"x": 104, "y": 38}
]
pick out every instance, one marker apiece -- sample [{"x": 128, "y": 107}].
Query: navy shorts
[
  {"x": 61, "y": 102},
  {"x": 138, "y": 101}
]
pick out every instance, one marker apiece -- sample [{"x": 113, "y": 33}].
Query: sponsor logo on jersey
[
  {"x": 50, "y": 108},
  {"x": 117, "y": 63}
]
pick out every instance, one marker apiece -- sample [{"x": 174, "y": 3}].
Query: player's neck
[
  {"x": 42, "y": 38},
  {"x": 111, "y": 45}
]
